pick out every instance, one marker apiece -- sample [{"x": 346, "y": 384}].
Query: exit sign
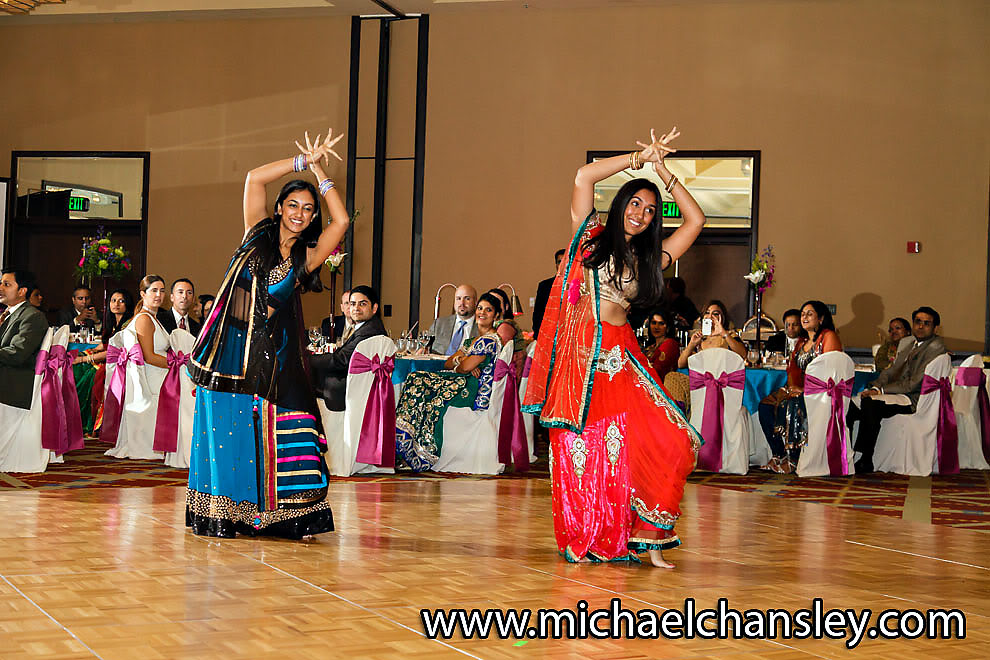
[
  {"x": 670, "y": 210},
  {"x": 80, "y": 204}
]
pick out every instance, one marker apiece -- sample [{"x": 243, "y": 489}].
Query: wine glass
[
  {"x": 314, "y": 337},
  {"x": 753, "y": 357}
]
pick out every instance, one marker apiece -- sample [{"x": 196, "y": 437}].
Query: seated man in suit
[
  {"x": 80, "y": 312},
  {"x": 543, "y": 293},
  {"x": 336, "y": 327},
  {"x": 330, "y": 369},
  {"x": 904, "y": 376},
  {"x": 451, "y": 331},
  {"x": 22, "y": 329},
  {"x": 785, "y": 340},
  {"x": 183, "y": 298}
]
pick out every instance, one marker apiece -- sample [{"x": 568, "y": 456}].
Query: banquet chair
[
  {"x": 727, "y": 432},
  {"x": 827, "y": 389},
  {"x": 134, "y": 434},
  {"x": 343, "y": 428},
  {"x": 529, "y": 421},
  {"x": 972, "y": 404},
  {"x": 20, "y": 429},
  {"x": 70, "y": 432},
  {"x": 908, "y": 444},
  {"x": 181, "y": 342},
  {"x": 470, "y": 437}
]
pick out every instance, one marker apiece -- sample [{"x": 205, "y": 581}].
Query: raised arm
[
  {"x": 255, "y": 197},
  {"x": 339, "y": 220}
]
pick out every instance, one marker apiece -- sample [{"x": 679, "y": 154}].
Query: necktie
[
  {"x": 347, "y": 334},
  {"x": 3, "y": 317},
  {"x": 457, "y": 338},
  {"x": 182, "y": 323}
]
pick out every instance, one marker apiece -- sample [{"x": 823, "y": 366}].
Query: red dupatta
[{"x": 563, "y": 368}]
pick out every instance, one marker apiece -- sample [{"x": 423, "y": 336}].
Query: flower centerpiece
[
  {"x": 335, "y": 260},
  {"x": 103, "y": 258},
  {"x": 761, "y": 277}
]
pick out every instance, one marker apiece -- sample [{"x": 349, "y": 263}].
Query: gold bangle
[
  {"x": 670, "y": 184},
  {"x": 631, "y": 160}
]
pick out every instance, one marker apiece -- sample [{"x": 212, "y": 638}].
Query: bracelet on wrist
[
  {"x": 299, "y": 163},
  {"x": 670, "y": 184},
  {"x": 326, "y": 186}
]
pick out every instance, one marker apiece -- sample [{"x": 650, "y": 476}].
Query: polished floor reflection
[{"x": 112, "y": 573}]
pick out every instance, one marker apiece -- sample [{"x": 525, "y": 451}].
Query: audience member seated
[
  {"x": 136, "y": 435},
  {"x": 183, "y": 297},
  {"x": 89, "y": 367},
  {"x": 330, "y": 369},
  {"x": 897, "y": 329},
  {"x": 204, "y": 304},
  {"x": 904, "y": 376},
  {"x": 339, "y": 327},
  {"x": 783, "y": 415},
  {"x": 451, "y": 331},
  {"x": 543, "y": 293},
  {"x": 426, "y": 395},
  {"x": 722, "y": 335},
  {"x": 80, "y": 312},
  {"x": 663, "y": 350},
  {"x": 684, "y": 310},
  {"x": 508, "y": 331},
  {"x": 22, "y": 329},
  {"x": 36, "y": 299},
  {"x": 785, "y": 340}
]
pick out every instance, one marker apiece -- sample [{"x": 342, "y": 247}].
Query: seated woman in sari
[
  {"x": 663, "y": 350},
  {"x": 782, "y": 414},
  {"x": 897, "y": 329},
  {"x": 508, "y": 330},
  {"x": 89, "y": 367},
  {"x": 426, "y": 395}
]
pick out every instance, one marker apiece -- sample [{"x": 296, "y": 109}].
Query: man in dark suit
[
  {"x": 543, "y": 294},
  {"x": 330, "y": 369},
  {"x": 336, "y": 326},
  {"x": 22, "y": 329},
  {"x": 183, "y": 297},
  {"x": 80, "y": 312},
  {"x": 785, "y": 340},
  {"x": 904, "y": 376}
]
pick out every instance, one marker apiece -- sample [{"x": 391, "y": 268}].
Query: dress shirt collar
[{"x": 14, "y": 308}]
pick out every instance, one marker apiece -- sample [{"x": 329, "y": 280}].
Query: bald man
[{"x": 451, "y": 331}]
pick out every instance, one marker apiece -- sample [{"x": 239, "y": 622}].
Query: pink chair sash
[
  {"x": 975, "y": 377},
  {"x": 113, "y": 406},
  {"x": 376, "y": 444},
  {"x": 167, "y": 417},
  {"x": 835, "y": 433},
  {"x": 713, "y": 418},
  {"x": 70, "y": 400},
  {"x": 527, "y": 365},
  {"x": 512, "y": 446},
  {"x": 54, "y": 435},
  {"x": 947, "y": 435}
]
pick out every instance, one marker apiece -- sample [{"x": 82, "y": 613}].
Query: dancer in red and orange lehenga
[{"x": 620, "y": 449}]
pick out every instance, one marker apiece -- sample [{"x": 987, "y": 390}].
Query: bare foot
[{"x": 656, "y": 558}]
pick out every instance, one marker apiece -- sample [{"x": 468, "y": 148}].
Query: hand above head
[
  {"x": 658, "y": 149},
  {"x": 316, "y": 150}
]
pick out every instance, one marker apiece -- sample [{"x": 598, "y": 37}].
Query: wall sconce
[
  {"x": 514, "y": 299},
  {"x": 436, "y": 303}
]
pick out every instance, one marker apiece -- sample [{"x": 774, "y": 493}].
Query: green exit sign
[
  {"x": 80, "y": 204},
  {"x": 670, "y": 210}
]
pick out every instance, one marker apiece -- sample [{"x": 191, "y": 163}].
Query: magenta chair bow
[
  {"x": 512, "y": 446},
  {"x": 113, "y": 406},
  {"x": 54, "y": 429},
  {"x": 835, "y": 432},
  {"x": 376, "y": 444},
  {"x": 713, "y": 418},
  {"x": 947, "y": 434},
  {"x": 975, "y": 377},
  {"x": 167, "y": 417}
]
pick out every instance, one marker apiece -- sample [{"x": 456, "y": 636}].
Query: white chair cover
[
  {"x": 814, "y": 461},
  {"x": 137, "y": 421},
  {"x": 759, "y": 447},
  {"x": 529, "y": 421},
  {"x": 470, "y": 437},
  {"x": 736, "y": 421},
  {"x": 20, "y": 430},
  {"x": 968, "y": 420},
  {"x": 907, "y": 443},
  {"x": 183, "y": 340},
  {"x": 343, "y": 429}
]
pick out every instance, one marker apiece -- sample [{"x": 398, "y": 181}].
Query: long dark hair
[
  {"x": 668, "y": 318},
  {"x": 111, "y": 327},
  {"x": 307, "y": 238},
  {"x": 641, "y": 255},
  {"x": 821, "y": 309},
  {"x": 506, "y": 305}
]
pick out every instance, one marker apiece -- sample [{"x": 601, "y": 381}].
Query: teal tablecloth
[{"x": 405, "y": 366}]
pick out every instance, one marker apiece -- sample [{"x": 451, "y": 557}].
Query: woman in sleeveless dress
[
  {"x": 620, "y": 449},
  {"x": 136, "y": 433},
  {"x": 256, "y": 464}
]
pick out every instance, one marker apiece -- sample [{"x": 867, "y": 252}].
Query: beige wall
[{"x": 871, "y": 118}]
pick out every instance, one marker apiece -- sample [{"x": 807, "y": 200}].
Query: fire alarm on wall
[{"x": 913, "y": 247}]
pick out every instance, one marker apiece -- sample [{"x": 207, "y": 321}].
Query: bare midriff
[{"x": 612, "y": 313}]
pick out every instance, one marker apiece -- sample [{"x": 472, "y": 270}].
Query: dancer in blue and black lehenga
[{"x": 257, "y": 455}]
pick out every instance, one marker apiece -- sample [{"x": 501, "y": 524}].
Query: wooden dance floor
[{"x": 113, "y": 573}]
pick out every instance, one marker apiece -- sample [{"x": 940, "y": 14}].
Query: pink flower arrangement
[{"x": 102, "y": 258}]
